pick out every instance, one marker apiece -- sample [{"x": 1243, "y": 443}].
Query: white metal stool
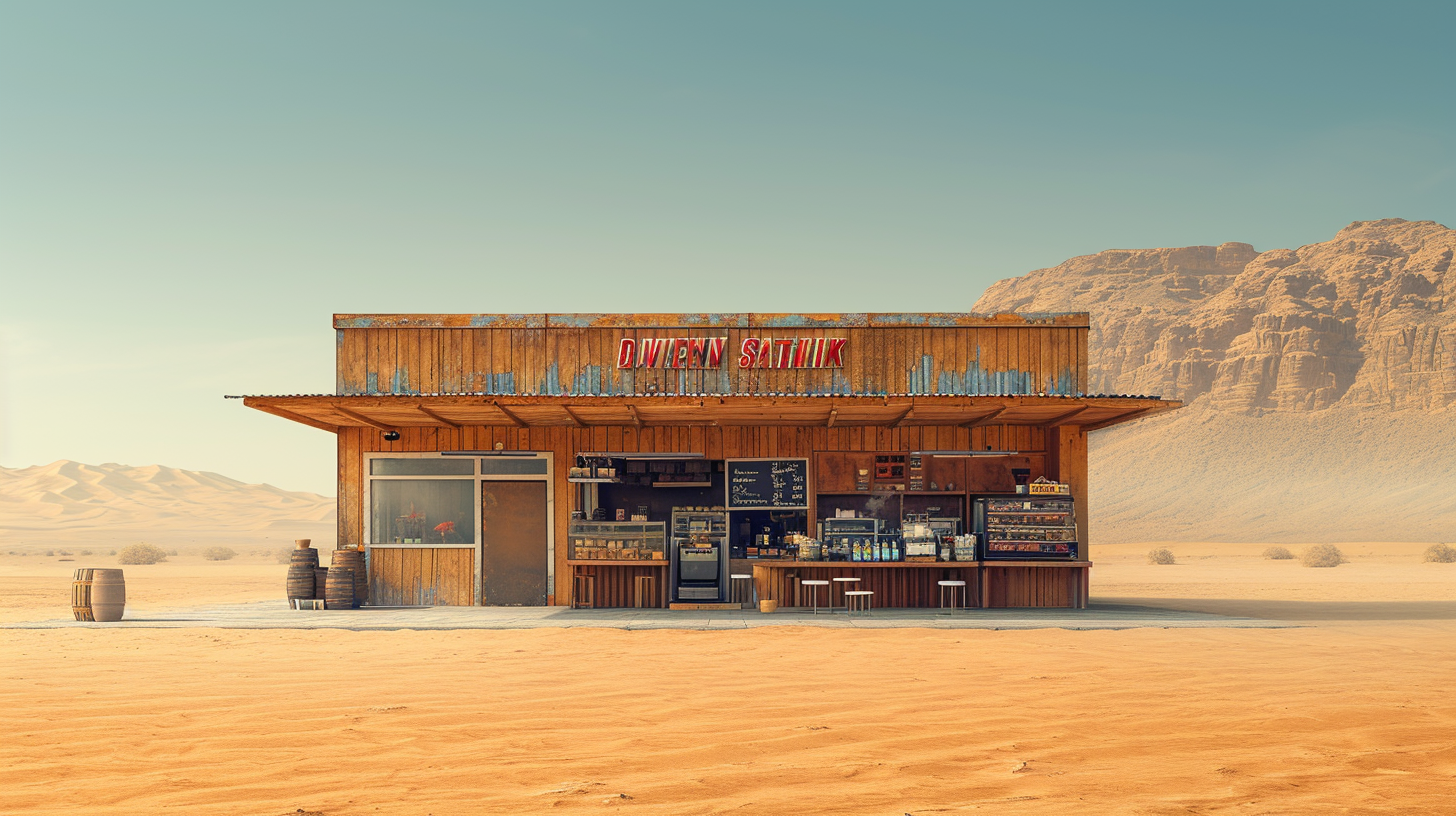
[
  {"x": 814, "y": 592},
  {"x": 858, "y": 600},
  {"x": 843, "y": 584},
  {"x": 747, "y": 595},
  {"x": 957, "y": 588}
]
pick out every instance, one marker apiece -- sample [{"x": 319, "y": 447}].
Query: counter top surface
[
  {"x": 619, "y": 562},
  {"x": 922, "y": 564}
]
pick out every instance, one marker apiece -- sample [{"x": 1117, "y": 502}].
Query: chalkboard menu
[{"x": 768, "y": 484}]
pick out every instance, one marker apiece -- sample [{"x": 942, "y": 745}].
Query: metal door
[{"x": 513, "y": 524}]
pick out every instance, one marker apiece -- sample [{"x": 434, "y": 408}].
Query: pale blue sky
[{"x": 189, "y": 190}]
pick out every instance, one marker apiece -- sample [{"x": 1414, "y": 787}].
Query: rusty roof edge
[{"x": 711, "y": 320}]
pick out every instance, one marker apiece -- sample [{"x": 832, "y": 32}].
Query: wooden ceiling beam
[
  {"x": 515, "y": 420},
  {"x": 570, "y": 414},
  {"x": 984, "y": 418},
  {"x": 1064, "y": 418},
  {"x": 358, "y": 417},
  {"x": 292, "y": 417},
  {"x": 432, "y": 415},
  {"x": 636, "y": 417},
  {"x": 895, "y": 423},
  {"x": 1117, "y": 420}
]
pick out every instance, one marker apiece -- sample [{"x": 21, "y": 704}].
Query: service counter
[
  {"x": 599, "y": 584},
  {"x": 913, "y": 585}
]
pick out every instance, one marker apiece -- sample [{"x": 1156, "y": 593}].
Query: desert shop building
[{"x": 642, "y": 460}]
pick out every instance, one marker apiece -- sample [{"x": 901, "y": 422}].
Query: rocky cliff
[
  {"x": 1321, "y": 384},
  {"x": 1367, "y": 318}
]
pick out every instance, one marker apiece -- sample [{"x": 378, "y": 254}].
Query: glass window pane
[
  {"x": 452, "y": 466},
  {"x": 511, "y": 465},
  {"x": 420, "y": 511}
]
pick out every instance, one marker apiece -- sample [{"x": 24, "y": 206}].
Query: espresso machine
[{"x": 699, "y": 556}]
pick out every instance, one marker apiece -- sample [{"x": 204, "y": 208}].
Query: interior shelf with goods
[
  {"x": 1023, "y": 526},
  {"x": 617, "y": 541}
]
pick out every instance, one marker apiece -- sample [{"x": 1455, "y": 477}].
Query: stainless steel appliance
[{"x": 699, "y": 552}]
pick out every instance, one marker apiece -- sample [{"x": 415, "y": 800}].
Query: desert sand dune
[{"x": 1350, "y": 714}]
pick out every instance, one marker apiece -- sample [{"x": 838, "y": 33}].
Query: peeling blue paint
[
  {"x": 974, "y": 381},
  {"x": 371, "y": 382},
  {"x": 399, "y": 384}
]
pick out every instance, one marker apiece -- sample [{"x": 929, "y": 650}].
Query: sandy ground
[{"x": 1351, "y": 714}]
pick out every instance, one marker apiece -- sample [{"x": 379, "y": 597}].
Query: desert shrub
[
  {"x": 1322, "y": 555},
  {"x": 64, "y": 552},
  {"x": 218, "y": 554},
  {"x": 1278, "y": 554},
  {"x": 283, "y": 555},
  {"x": 1161, "y": 555},
  {"x": 142, "y": 553},
  {"x": 85, "y": 552},
  {"x": 172, "y": 552},
  {"x": 50, "y": 553},
  {"x": 113, "y": 552},
  {"x": 1441, "y": 554}
]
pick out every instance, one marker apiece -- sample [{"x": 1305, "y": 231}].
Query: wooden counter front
[
  {"x": 909, "y": 584},
  {"x": 1007, "y": 584},
  {"x": 898, "y": 584},
  {"x": 604, "y": 583}
]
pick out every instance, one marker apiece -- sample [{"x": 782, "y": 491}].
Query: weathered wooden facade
[{"x": 520, "y": 397}]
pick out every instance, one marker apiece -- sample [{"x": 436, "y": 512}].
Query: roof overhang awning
[{"x": 394, "y": 412}]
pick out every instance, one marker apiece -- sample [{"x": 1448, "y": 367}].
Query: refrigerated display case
[
  {"x": 1024, "y": 527},
  {"x": 849, "y": 539}
]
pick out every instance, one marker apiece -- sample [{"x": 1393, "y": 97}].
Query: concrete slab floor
[{"x": 276, "y": 615}]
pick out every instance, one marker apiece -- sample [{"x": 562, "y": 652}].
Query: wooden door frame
[{"x": 549, "y": 478}]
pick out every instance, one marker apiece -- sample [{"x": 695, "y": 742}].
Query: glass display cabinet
[{"x": 617, "y": 541}]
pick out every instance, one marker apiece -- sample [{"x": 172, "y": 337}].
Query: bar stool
[
  {"x": 747, "y": 596},
  {"x": 843, "y": 584},
  {"x": 858, "y": 600},
  {"x": 814, "y": 592},
  {"x": 957, "y": 589}
]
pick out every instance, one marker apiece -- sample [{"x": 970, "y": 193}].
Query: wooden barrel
[
  {"x": 354, "y": 560},
  {"x": 108, "y": 594},
  {"x": 300, "y": 582},
  {"x": 81, "y": 595},
  {"x": 304, "y": 557},
  {"x": 339, "y": 590},
  {"x": 320, "y": 581}
]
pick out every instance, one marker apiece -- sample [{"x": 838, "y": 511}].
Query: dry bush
[
  {"x": 85, "y": 552},
  {"x": 64, "y": 552},
  {"x": 1161, "y": 555},
  {"x": 171, "y": 552},
  {"x": 142, "y": 553},
  {"x": 113, "y": 552},
  {"x": 50, "y": 553},
  {"x": 1278, "y": 554},
  {"x": 218, "y": 554},
  {"x": 1441, "y": 554},
  {"x": 1323, "y": 555},
  {"x": 283, "y": 555}
]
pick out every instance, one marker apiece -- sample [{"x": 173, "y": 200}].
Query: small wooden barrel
[
  {"x": 81, "y": 595},
  {"x": 302, "y": 543},
  {"x": 354, "y": 560},
  {"x": 339, "y": 590},
  {"x": 320, "y": 581},
  {"x": 305, "y": 557},
  {"x": 300, "y": 582},
  {"x": 108, "y": 594}
]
